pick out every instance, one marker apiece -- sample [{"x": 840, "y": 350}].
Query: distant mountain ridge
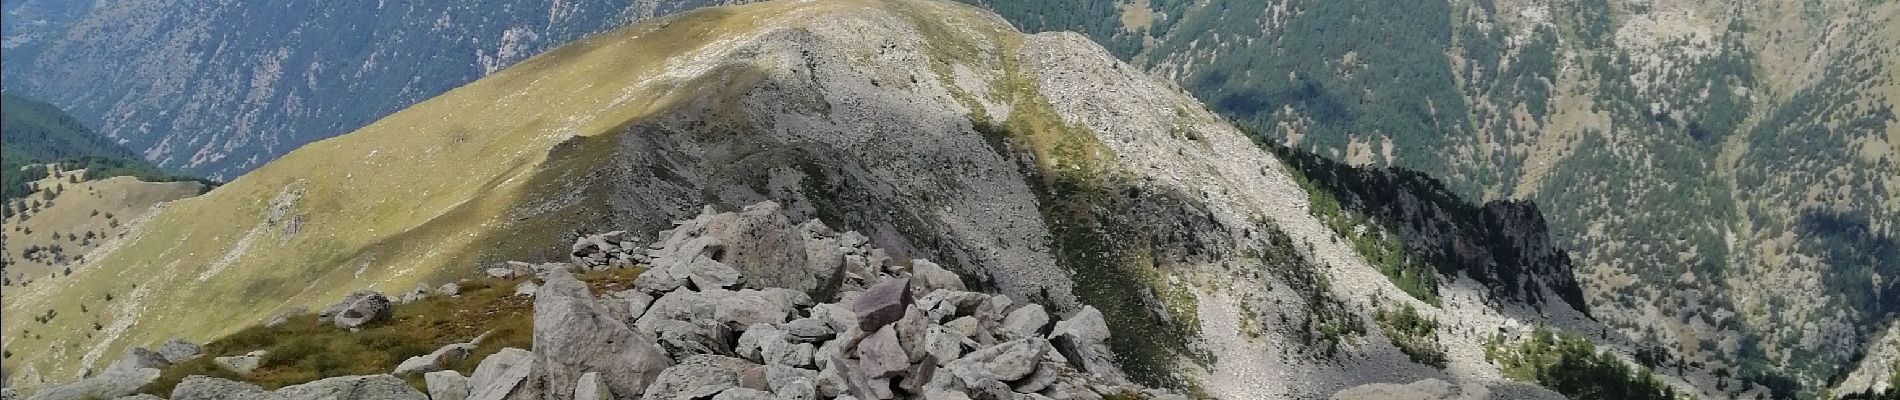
[{"x": 220, "y": 88}]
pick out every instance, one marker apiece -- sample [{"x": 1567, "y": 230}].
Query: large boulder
[
  {"x": 360, "y": 387},
  {"x": 360, "y": 309},
  {"x": 500, "y": 374},
  {"x": 178, "y": 350},
  {"x": 747, "y": 307},
  {"x": 882, "y": 304},
  {"x": 931, "y": 277},
  {"x": 1025, "y": 322},
  {"x": 881, "y": 356},
  {"x": 1001, "y": 363},
  {"x": 574, "y": 335},
  {"x": 446, "y": 385},
  {"x": 198, "y": 387},
  {"x": 1083, "y": 340},
  {"x": 700, "y": 377}
]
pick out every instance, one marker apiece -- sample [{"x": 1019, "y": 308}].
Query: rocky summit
[{"x": 877, "y": 199}]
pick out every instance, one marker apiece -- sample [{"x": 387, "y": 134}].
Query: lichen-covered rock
[
  {"x": 698, "y": 377},
  {"x": 361, "y": 387},
  {"x": 574, "y": 335},
  {"x": 177, "y": 351},
  {"x": 363, "y": 310},
  {"x": 199, "y": 387},
  {"x": 500, "y": 375},
  {"x": 1083, "y": 340},
  {"x": 1025, "y": 322},
  {"x": 446, "y": 385}
]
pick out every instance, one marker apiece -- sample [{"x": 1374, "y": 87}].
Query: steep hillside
[
  {"x": 1038, "y": 166},
  {"x": 220, "y": 88},
  {"x": 71, "y": 213},
  {"x": 1713, "y": 165},
  {"x": 33, "y": 132}
]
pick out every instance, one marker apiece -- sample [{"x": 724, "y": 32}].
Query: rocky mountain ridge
[{"x": 1037, "y": 167}]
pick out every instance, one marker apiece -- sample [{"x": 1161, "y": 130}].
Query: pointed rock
[{"x": 573, "y": 335}]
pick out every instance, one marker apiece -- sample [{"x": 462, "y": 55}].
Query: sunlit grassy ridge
[{"x": 433, "y": 191}]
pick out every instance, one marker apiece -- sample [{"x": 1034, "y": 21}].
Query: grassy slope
[
  {"x": 102, "y": 208},
  {"x": 303, "y": 349},
  {"x": 428, "y": 192}
]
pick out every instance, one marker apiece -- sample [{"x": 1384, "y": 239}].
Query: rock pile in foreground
[{"x": 694, "y": 326}]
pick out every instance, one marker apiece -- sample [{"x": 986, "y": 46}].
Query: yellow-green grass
[
  {"x": 303, "y": 349},
  {"x": 101, "y": 207},
  {"x": 424, "y": 195}
]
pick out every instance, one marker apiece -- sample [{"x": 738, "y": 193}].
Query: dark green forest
[{"x": 33, "y": 132}]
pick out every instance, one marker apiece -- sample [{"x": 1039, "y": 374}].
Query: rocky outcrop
[
  {"x": 690, "y": 330},
  {"x": 575, "y": 335}
]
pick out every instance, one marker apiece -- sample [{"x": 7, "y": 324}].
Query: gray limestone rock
[
  {"x": 361, "y": 387},
  {"x": 1083, "y": 340},
  {"x": 881, "y": 356},
  {"x": 574, "y": 334},
  {"x": 589, "y": 387},
  {"x": 698, "y": 377},
  {"x": 437, "y": 360},
  {"x": 199, "y": 387},
  {"x": 362, "y": 310},
  {"x": 500, "y": 374},
  {"x": 1025, "y": 322},
  {"x": 446, "y": 385},
  {"x": 177, "y": 351}
]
